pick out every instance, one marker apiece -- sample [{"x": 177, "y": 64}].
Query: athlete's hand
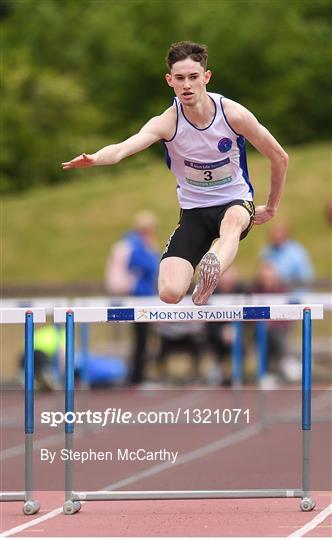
[
  {"x": 84, "y": 160},
  {"x": 263, "y": 214}
]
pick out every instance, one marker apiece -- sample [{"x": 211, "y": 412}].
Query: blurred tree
[
  {"x": 46, "y": 117},
  {"x": 78, "y": 74}
]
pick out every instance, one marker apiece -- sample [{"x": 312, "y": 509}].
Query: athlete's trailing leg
[{"x": 175, "y": 275}]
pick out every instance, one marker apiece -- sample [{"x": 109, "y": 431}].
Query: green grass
[{"x": 62, "y": 234}]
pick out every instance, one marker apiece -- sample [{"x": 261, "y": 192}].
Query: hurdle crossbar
[
  {"x": 185, "y": 494},
  {"x": 148, "y": 314},
  {"x": 29, "y": 317},
  {"x": 191, "y": 313},
  {"x": 17, "y": 315}
]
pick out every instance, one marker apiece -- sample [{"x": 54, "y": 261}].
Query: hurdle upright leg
[
  {"x": 30, "y": 506},
  {"x": 70, "y": 506},
  {"x": 307, "y": 503},
  {"x": 18, "y": 316}
]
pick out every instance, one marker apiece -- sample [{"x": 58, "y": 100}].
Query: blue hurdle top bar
[{"x": 171, "y": 313}]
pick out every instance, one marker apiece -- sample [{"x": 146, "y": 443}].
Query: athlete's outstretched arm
[
  {"x": 245, "y": 123},
  {"x": 157, "y": 128}
]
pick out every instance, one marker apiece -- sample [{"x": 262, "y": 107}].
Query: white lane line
[
  {"x": 219, "y": 444},
  {"x": 20, "y": 528},
  {"x": 49, "y": 440},
  {"x": 313, "y": 523}
]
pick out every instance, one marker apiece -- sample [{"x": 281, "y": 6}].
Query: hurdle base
[
  {"x": 71, "y": 507},
  {"x": 168, "y": 495},
  {"x": 31, "y": 507},
  {"x": 307, "y": 504}
]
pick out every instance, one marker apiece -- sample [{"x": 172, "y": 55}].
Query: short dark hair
[{"x": 187, "y": 49}]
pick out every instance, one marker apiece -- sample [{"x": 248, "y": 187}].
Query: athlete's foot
[{"x": 208, "y": 278}]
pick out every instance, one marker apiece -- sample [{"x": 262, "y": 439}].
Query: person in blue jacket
[
  {"x": 132, "y": 270},
  {"x": 290, "y": 258},
  {"x": 143, "y": 261}
]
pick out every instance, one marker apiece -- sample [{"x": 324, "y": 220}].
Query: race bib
[{"x": 208, "y": 174}]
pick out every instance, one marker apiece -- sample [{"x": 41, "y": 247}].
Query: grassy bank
[{"x": 63, "y": 234}]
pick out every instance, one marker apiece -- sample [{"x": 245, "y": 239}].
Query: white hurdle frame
[
  {"x": 28, "y": 317},
  {"x": 147, "y": 314}
]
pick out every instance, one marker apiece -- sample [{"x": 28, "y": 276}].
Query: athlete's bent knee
[{"x": 170, "y": 295}]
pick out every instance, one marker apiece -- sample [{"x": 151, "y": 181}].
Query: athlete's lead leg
[
  {"x": 222, "y": 253},
  {"x": 175, "y": 275}
]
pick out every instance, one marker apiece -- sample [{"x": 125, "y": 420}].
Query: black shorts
[{"x": 198, "y": 227}]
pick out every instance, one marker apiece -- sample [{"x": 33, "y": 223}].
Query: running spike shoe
[{"x": 208, "y": 278}]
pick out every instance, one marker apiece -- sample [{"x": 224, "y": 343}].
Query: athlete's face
[{"x": 188, "y": 80}]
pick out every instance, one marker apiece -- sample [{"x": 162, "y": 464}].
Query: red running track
[{"x": 222, "y": 518}]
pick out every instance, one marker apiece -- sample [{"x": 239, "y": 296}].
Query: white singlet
[{"x": 210, "y": 164}]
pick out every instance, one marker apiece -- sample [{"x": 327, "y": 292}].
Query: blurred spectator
[
  {"x": 49, "y": 357},
  {"x": 220, "y": 335},
  {"x": 279, "y": 362},
  {"x": 268, "y": 280},
  {"x": 289, "y": 257},
  {"x": 132, "y": 269}
]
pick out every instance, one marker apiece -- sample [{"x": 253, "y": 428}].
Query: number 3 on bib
[{"x": 208, "y": 174}]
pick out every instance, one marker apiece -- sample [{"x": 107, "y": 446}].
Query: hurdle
[
  {"x": 236, "y": 313},
  {"x": 28, "y": 317}
]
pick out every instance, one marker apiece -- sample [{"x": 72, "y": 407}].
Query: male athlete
[{"x": 204, "y": 135}]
